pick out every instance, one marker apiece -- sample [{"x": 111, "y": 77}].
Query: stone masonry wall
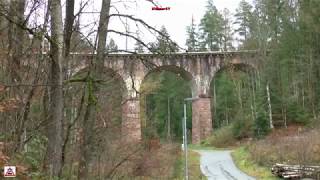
[
  {"x": 131, "y": 125},
  {"x": 201, "y": 120}
]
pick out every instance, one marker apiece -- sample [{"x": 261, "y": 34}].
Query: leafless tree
[
  {"x": 45, "y": 80},
  {"x": 55, "y": 90}
]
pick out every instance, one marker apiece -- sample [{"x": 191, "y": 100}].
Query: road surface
[{"x": 218, "y": 165}]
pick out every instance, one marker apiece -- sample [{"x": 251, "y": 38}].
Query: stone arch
[
  {"x": 180, "y": 72},
  {"x": 246, "y": 64},
  {"x": 199, "y": 79},
  {"x": 197, "y": 82},
  {"x": 111, "y": 97},
  {"x": 172, "y": 68},
  {"x": 117, "y": 76},
  {"x": 241, "y": 61},
  {"x": 238, "y": 66}
]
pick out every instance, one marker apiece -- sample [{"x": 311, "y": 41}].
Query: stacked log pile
[{"x": 296, "y": 171}]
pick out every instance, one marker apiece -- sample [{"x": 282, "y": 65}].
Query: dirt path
[{"x": 218, "y": 165}]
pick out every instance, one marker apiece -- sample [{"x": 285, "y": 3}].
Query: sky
[{"x": 175, "y": 20}]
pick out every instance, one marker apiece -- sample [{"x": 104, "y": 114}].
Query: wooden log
[{"x": 295, "y": 171}]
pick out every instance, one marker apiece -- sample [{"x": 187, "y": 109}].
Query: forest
[{"x": 57, "y": 126}]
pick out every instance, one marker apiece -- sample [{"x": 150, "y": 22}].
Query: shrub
[
  {"x": 222, "y": 137},
  {"x": 297, "y": 114},
  {"x": 242, "y": 128},
  {"x": 262, "y": 126},
  {"x": 303, "y": 148}
]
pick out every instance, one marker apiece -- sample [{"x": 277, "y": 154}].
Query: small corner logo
[{"x": 9, "y": 171}]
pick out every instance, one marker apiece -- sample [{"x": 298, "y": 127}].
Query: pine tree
[
  {"x": 211, "y": 27},
  {"x": 227, "y": 31},
  {"x": 112, "y": 46},
  {"x": 192, "y": 42},
  {"x": 243, "y": 17},
  {"x": 138, "y": 47},
  {"x": 162, "y": 44}
]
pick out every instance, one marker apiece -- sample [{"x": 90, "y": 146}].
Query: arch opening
[
  {"x": 233, "y": 104},
  {"x": 161, "y": 102},
  {"x": 111, "y": 92}
]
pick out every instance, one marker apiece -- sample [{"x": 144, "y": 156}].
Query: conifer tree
[
  {"x": 162, "y": 44},
  {"x": 211, "y": 28},
  {"x": 112, "y": 46},
  {"x": 192, "y": 42}
]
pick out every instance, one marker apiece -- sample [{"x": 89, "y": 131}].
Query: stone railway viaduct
[{"x": 199, "y": 68}]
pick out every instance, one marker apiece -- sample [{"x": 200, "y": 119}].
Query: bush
[
  {"x": 242, "y": 128},
  {"x": 297, "y": 114},
  {"x": 222, "y": 137},
  {"x": 262, "y": 126},
  {"x": 242, "y": 159},
  {"x": 303, "y": 148}
]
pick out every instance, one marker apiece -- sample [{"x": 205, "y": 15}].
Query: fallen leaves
[
  {"x": 2, "y": 88},
  {"x": 9, "y": 105},
  {"x": 5, "y": 160}
]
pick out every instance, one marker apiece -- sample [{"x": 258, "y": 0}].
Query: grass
[
  {"x": 207, "y": 147},
  {"x": 242, "y": 159},
  {"x": 194, "y": 166},
  {"x": 194, "y": 170},
  {"x": 200, "y": 147}
]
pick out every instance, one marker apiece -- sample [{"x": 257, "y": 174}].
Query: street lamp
[{"x": 184, "y": 131}]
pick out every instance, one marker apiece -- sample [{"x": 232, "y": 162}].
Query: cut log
[{"x": 296, "y": 171}]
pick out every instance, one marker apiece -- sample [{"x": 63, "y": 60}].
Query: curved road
[{"x": 218, "y": 165}]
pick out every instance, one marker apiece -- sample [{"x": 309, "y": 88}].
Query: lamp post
[{"x": 184, "y": 136}]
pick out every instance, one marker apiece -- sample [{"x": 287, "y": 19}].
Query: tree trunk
[
  {"x": 169, "y": 121},
  {"x": 95, "y": 73},
  {"x": 226, "y": 111},
  {"x": 253, "y": 86},
  {"x": 68, "y": 26},
  {"x": 16, "y": 38},
  {"x": 54, "y": 152},
  {"x": 238, "y": 89},
  {"x": 269, "y": 106},
  {"x": 68, "y": 30},
  {"x": 15, "y": 53},
  {"x": 215, "y": 100}
]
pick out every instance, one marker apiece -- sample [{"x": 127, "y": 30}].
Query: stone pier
[
  {"x": 131, "y": 125},
  {"x": 201, "y": 120}
]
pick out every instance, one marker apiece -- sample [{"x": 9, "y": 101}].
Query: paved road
[{"x": 218, "y": 165}]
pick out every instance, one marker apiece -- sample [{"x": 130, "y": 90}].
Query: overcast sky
[{"x": 175, "y": 20}]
